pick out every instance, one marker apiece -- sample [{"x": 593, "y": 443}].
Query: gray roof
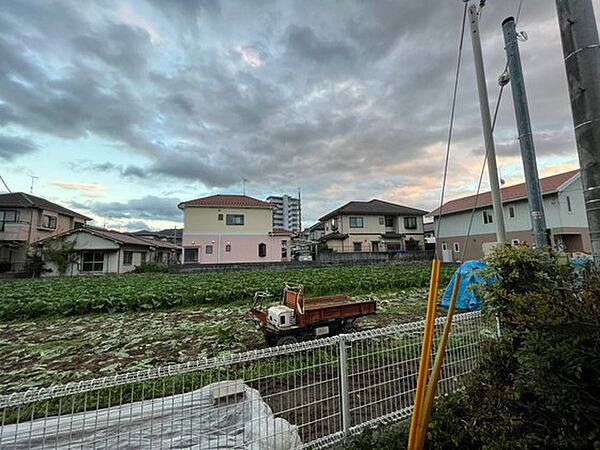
[
  {"x": 374, "y": 207},
  {"x": 23, "y": 200}
]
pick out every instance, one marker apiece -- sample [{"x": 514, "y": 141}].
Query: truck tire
[
  {"x": 285, "y": 340},
  {"x": 349, "y": 329}
]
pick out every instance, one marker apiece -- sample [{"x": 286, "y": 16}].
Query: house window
[
  {"x": 127, "y": 258},
  {"x": 227, "y": 248},
  {"x": 389, "y": 222},
  {"x": 190, "y": 255},
  {"x": 488, "y": 217},
  {"x": 334, "y": 224},
  {"x": 78, "y": 225},
  {"x": 208, "y": 249},
  {"x": 511, "y": 212},
  {"x": 7, "y": 217},
  {"x": 356, "y": 222},
  {"x": 381, "y": 221},
  {"x": 444, "y": 246},
  {"x": 262, "y": 250},
  {"x": 220, "y": 217},
  {"x": 143, "y": 257},
  {"x": 284, "y": 249},
  {"x": 515, "y": 242},
  {"x": 357, "y": 246},
  {"x": 49, "y": 221},
  {"x": 234, "y": 219},
  {"x": 456, "y": 247},
  {"x": 93, "y": 262},
  {"x": 569, "y": 204},
  {"x": 410, "y": 223}
]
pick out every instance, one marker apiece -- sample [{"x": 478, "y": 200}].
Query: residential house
[
  {"x": 231, "y": 229},
  {"x": 286, "y": 213},
  {"x": 95, "y": 251},
  {"x": 564, "y": 209},
  {"x": 24, "y": 219},
  {"x": 172, "y": 235},
  {"x": 373, "y": 226},
  {"x": 314, "y": 232}
]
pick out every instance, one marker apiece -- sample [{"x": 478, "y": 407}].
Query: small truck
[{"x": 299, "y": 318}]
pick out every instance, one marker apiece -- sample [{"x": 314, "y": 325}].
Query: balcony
[{"x": 14, "y": 231}]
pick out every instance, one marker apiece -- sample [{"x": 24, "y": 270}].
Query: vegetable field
[{"x": 36, "y": 298}]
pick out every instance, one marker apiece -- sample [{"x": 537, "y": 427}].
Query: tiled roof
[
  {"x": 23, "y": 200},
  {"x": 241, "y": 201},
  {"x": 336, "y": 235},
  {"x": 118, "y": 237},
  {"x": 282, "y": 231},
  {"x": 373, "y": 207},
  {"x": 511, "y": 193}
]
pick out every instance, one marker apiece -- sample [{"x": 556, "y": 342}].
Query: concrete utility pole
[
  {"x": 532, "y": 180},
  {"x": 486, "y": 123},
  {"x": 581, "y": 48}
]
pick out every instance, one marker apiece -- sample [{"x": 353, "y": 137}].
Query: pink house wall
[{"x": 244, "y": 248}]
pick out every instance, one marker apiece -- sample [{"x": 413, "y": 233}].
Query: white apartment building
[{"x": 287, "y": 212}]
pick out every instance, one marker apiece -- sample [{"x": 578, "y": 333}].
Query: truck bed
[{"x": 324, "y": 309}]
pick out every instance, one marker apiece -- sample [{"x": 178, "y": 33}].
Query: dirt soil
[{"x": 50, "y": 351}]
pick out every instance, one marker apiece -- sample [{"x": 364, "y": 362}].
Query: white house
[
  {"x": 98, "y": 251},
  {"x": 564, "y": 209}
]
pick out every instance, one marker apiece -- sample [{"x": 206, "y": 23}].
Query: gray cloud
[
  {"x": 145, "y": 208},
  {"x": 345, "y": 99},
  {"x": 11, "y": 147}
]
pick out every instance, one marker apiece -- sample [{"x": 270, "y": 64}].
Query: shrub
[
  {"x": 537, "y": 385},
  {"x": 152, "y": 267}
]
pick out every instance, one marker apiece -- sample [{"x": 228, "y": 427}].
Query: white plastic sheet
[{"x": 193, "y": 420}]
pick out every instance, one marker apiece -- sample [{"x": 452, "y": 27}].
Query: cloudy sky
[{"x": 125, "y": 108}]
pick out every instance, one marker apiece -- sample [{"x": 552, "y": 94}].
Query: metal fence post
[{"x": 344, "y": 399}]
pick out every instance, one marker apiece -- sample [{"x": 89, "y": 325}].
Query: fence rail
[{"x": 311, "y": 394}]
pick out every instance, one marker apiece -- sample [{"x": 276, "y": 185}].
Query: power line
[{"x": 452, "y": 114}]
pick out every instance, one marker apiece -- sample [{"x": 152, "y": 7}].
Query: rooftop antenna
[
  {"x": 244, "y": 181},
  {"x": 33, "y": 178},
  {"x": 4, "y": 183}
]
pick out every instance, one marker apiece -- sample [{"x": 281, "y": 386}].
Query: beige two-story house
[
  {"x": 373, "y": 226},
  {"x": 24, "y": 219},
  {"x": 231, "y": 229}
]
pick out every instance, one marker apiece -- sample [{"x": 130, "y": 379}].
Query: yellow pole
[
  {"x": 437, "y": 366},
  {"x": 425, "y": 353}
]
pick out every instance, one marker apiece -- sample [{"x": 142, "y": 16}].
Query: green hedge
[{"x": 30, "y": 299}]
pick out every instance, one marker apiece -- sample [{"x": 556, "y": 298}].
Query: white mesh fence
[{"x": 311, "y": 394}]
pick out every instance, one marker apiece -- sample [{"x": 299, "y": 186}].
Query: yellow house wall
[{"x": 205, "y": 220}]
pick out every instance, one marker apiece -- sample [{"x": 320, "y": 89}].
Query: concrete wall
[{"x": 205, "y": 220}]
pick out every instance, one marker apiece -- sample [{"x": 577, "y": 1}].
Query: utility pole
[
  {"x": 299, "y": 212},
  {"x": 486, "y": 123},
  {"x": 581, "y": 48},
  {"x": 532, "y": 180}
]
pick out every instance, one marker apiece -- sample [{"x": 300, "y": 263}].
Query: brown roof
[
  {"x": 118, "y": 237},
  {"x": 23, "y": 200},
  {"x": 374, "y": 207},
  {"x": 241, "y": 201},
  {"x": 511, "y": 193}
]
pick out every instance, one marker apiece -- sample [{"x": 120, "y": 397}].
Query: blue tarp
[{"x": 468, "y": 298}]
